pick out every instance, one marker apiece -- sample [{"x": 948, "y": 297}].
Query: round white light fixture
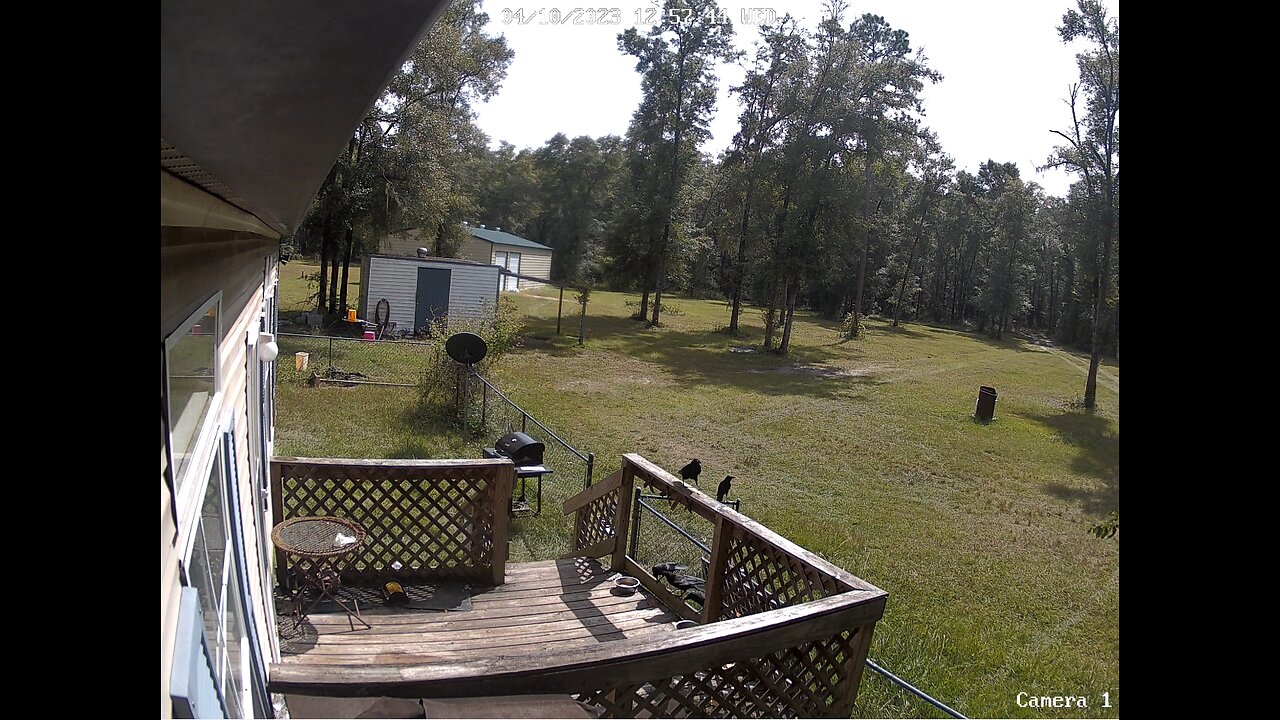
[{"x": 267, "y": 347}]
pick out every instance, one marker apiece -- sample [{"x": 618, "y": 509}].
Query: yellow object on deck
[{"x": 351, "y": 315}]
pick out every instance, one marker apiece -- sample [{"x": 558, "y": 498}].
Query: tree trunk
[
  {"x": 333, "y": 276},
  {"x": 911, "y": 257},
  {"x": 1100, "y": 307},
  {"x": 793, "y": 290},
  {"x": 1053, "y": 299},
  {"x": 740, "y": 265},
  {"x": 324, "y": 266},
  {"x": 866, "y": 246},
  {"x": 770, "y": 318},
  {"x": 662, "y": 274},
  {"x": 346, "y": 268},
  {"x": 924, "y": 211},
  {"x": 644, "y": 302}
]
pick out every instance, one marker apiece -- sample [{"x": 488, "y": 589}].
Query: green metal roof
[{"x": 502, "y": 238}]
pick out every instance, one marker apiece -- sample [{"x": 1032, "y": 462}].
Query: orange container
[{"x": 351, "y": 315}]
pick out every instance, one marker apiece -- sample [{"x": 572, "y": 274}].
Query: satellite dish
[
  {"x": 466, "y": 348},
  {"x": 424, "y": 253}
]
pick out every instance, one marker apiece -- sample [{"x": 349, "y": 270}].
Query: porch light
[{"x": 267, "y": 347}]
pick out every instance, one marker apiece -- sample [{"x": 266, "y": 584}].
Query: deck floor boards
[{"x": 544, "y": 606}]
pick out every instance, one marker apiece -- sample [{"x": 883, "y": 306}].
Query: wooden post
[
  {"x": 621, "y": 517},
  {"x": 559, "y": 309},
  {"x": 503, "y": 486},
  {"x": 277, "y": 517},
  {"x": 854, "y": 664},
  {"x": 715, "y": 570}
]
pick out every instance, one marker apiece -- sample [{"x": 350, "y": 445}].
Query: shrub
[{"x": 437, "y": 389}]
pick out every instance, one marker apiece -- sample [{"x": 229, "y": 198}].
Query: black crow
[
  {"x": 722, "y": 492},
  {"x": 687, "y": 582},
  {"x": 697, "y": 596},
  {"x": 667, "y": 569},
  {"x": 691, "y": 471}
]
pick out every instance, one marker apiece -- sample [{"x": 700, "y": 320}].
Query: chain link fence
[
  {"x": 344, "y": 359},
  {"x": 663, "y": 532},
  {"x": 487, "y": 412}
]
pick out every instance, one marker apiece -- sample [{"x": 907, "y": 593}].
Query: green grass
[
  {"x": 295, "y": 293},
  {"x": 864, "y": 451}
]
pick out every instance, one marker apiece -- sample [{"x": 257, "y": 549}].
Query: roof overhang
[{"x": 257, "y": 98}]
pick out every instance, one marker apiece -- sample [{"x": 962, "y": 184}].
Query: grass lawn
[{"x": 864, "y": 451}]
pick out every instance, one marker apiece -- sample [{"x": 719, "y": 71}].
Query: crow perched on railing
[
  {"x": 722, "y": 492},
  {"x": 691, "y": 471}
]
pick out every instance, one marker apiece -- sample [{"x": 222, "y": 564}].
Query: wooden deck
[{"x": 544, "y": 607}]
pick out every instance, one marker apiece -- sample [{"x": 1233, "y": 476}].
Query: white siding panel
[
  {"x": 536, "y": 264},
  {"x": 533, "y": 263},
  {"x": 363, "y": 309},
  {"x": 473, "y": 289},
  {"x": 397, "y": 281}
]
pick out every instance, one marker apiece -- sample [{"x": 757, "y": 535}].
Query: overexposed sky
[{"x": 1006, "y": 73}]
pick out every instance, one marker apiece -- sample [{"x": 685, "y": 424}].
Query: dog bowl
[
  {"x": 684, "y": 624},
  {"x": 626, "y": 584}
]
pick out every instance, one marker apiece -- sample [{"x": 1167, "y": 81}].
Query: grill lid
[{"x": 520, "y": 448}]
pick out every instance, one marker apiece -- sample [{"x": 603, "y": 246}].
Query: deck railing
[
  {"x": 436, "y": 518},
  {"x": 783, "y": 632},
  {"x": 753, "y": 576}
]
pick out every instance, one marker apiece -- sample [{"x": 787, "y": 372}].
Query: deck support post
[
  {"x": 715, "y": 571},
  {"x": 623, "y": 514},
  {"x": 502, "y": 494}
]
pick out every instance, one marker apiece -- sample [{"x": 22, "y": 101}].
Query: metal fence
[
  {"x": 345, "y": 359},
  {"x": 663, "y": 533},
  {"x": 488, "y": 412}
]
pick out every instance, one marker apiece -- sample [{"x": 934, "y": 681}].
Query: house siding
[
  {"x": 404, "y": 243},
  {"x": 472, "y": 288},
  {"x": 533, "y": 262},
  {"x": 476, "y": 250},
  {"x": 195, "y": 264}
]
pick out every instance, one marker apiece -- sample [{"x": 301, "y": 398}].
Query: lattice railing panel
[
  {"x": 759, "y": 576},
  {"x": 813, "y": 679},
  {"x": 595, "y": 521},
  {"x": 437, "y": 522}
]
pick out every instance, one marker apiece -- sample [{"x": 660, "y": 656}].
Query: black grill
[{"x": 520, "y": 448}]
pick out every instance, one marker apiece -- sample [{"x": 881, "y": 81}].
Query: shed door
[
  {"x": 510, "y": 261},
  {"x": 433, "y": 296}
]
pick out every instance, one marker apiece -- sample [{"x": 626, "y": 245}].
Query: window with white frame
[
  {"x": 212, "y": 570},
  {"x": 191, "y": 382}
]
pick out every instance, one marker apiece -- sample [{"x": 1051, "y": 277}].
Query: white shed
[
  {"x": 421, "y": 290},
  {"x": 519, "y": 256}
]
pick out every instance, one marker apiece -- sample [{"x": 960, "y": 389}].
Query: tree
[
  {"x": 676, "y": 61},
  {"x": 887, "y": 102},
  {"x": 935, "y": 170},
  {"x": 764, "y": 94},
  {"x": 412, "y": 160},
  {"x": 1092, "y": 150}
]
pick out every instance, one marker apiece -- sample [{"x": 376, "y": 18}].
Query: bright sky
[{"x": 1006, "y": 73}]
